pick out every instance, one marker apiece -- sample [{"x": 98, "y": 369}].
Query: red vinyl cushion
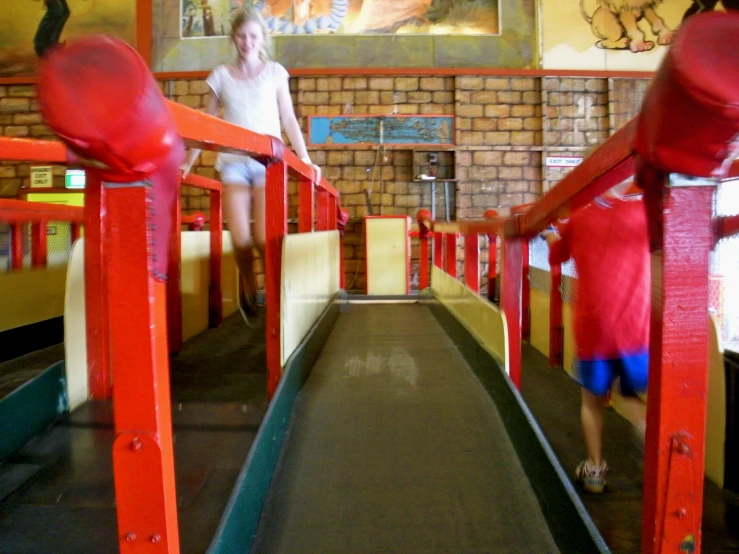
[{"x": 690, "y": 118}]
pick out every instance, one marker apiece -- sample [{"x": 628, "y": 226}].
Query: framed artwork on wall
[
  {"x": 30, "y": 27},
  {"x": 193, "y": 35},
  {"x": 610, "y": 35}
]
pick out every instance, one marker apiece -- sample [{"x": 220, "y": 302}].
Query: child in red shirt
[{"x": 609, "y": 244}]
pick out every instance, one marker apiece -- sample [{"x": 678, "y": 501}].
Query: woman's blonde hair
[{"x": 244, "y": 16}]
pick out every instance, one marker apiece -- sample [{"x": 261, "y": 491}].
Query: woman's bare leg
[{"x": 237, "y": 209}]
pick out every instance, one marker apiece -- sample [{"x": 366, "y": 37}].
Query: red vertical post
[
  {"x": 174, "y": 278},
  {"x": 143, "y": 459},
  {"x": 324, "y": 213},
  {"x": 492, "y": 257},
  {"x": 38, "y": 244},
  {"x": 276, "y": 229},
  {"x": 215, "y": 293},
  {"x": 472, "y": 261},
  {"x": 96, "y": 302},
  {"x": 16, "y": 245},
  {"x": 423, "y": 278},
  {"x": 424, "y": 233},
  {"x": 306, "y": 208},
  {"x": 439, "y": 250},
  {"x": 525, "y": 291},
  {"x": 450, "y": 254},
  {"x": 510, "y": 300},
  {"x": 681, "y": 239},
  {"x": 492, "y": 265},
  {"x": 556, "y": 329},
  {"x": 333, "y": 212}
]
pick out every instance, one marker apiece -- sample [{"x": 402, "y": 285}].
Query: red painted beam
[
  {"x": 96, "y": 301},
  {"x": 16, "y": 245},
  {"x": 510, "y": 301},
  {"x": 450, "y": 254},
  {"x": 174, "y": 279},
  {"x": 276, "y": 229},
  {"x": 472, "y": 261},
  {"x": 18, "y": 211},
  {"x": 608, "y": 165},
  {"x": 198, "y": 181},
  {"x": 306, "y": 207},
  {"x": 676, "y": 413},
  {"x": 727, "y": 226},
  {"x": 556, "y": 327},
  {"x": 20, "y": 149},
  {"x": 439, "y": 250},
  {"x": 38, "y": 245},
  {"x": 215, "y": 317},
  {"x": 143, "y": 454},
  {"x": 208, "y": 132}
]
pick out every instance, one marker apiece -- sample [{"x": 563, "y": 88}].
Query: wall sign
[{"x": 563, "y": 161}]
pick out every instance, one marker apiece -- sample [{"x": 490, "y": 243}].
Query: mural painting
[
  {"x": 613, "y": 34},
  {"x": 193, "y": 35},
  {"x": 209, "y": 18},
  {"x": 31, "y": 27}
]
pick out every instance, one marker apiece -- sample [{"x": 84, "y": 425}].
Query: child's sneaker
[
  {"x": 247, "y": 305},
  {"x": 592, "y": 478}
]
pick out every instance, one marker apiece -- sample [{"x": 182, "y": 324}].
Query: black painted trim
[
  {"x": 238, "y": 525},
  {"x": 569, "y": 522},
  {"x": 30, "y": 338}
]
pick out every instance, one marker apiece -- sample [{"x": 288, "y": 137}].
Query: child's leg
[
  {"x": 259, "y": 215},
  {"x": 591, "y": 415},
  {"x": 237, "y": 209}
]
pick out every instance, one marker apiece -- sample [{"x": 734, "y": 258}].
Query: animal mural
[
  {"x": 204, "y": 18},
  {"x": 615, "y": 24}
]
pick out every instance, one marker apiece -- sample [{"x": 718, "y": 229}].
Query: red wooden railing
[
  {"x": 38, "y": 214},
  {"x": 174, "y": 282},
  {"x": 688, "y": 125}
]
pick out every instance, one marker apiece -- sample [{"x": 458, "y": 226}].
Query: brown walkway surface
[{"x": 395, "y": 446}]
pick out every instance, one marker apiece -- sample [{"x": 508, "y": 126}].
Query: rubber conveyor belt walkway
[{"x": 395, "y": 446}]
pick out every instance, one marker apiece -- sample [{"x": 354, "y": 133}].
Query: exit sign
[
  {"x": 41, "y": 176},
  {"x": 563, "y": 161}
]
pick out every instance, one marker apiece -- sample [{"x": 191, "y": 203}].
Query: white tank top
[{"x": 249, "y": 102}]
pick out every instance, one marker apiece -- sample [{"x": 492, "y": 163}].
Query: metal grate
[{"x": 58, "y": 245}]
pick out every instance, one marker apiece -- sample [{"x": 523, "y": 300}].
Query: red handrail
[{"x": 21, "y": 211}]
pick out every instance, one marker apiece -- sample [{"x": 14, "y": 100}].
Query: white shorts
[{"x": 247, "y": 173}]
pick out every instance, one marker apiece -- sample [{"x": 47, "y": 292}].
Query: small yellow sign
[{"x": 41, "y": 176}]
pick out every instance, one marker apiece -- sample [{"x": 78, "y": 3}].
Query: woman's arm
[
  {"x": 211, "y": 108},
  {"x": 291, "y": 125}
]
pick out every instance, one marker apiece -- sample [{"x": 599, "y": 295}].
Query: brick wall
[{"x": 505, "y": 128}]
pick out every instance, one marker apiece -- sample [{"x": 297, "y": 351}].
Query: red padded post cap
[
  {"x": 690, "y": 118},
  {"x": 97, "y": 94}
]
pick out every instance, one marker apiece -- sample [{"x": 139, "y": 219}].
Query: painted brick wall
[{"x": 505, "y": 128}]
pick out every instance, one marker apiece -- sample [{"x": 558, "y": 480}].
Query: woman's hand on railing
[{"x": 307, "y": 160}]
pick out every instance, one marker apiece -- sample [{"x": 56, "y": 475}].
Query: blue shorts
[
  {"x": 597, "y": 376},
  {"x": 244, "y": 173}
]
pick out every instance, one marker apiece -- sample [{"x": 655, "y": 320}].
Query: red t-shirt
[{"x": 612, "y": 293}]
